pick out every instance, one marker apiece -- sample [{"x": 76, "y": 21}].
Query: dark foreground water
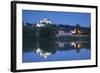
[{"x": 51, "y": 50}]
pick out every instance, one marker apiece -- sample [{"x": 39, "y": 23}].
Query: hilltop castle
[{"x": 43, "y": 22}]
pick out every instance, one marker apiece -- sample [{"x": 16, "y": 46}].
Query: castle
[{"x": 43, "y": 22}]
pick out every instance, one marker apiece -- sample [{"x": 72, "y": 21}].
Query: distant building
[
  {"x": 60, "y": 32},
  {"x": 63, "y": 32},
  {"x": 76, "y": 31}
]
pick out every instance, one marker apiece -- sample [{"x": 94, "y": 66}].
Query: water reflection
[{"x": 53, "y": 50}]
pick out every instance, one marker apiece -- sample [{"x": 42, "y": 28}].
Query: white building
[{"x": 43, "y": 22}]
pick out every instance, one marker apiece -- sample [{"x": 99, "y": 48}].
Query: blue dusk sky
[{"x": 66, "y": 18}]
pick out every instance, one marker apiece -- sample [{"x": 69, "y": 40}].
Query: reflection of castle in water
[
  {"x": 46, "y": 48},
  {"x": 42, "y": 53}
]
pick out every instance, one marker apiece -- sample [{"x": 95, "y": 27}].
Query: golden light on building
[{"x": 78, "y": 32}]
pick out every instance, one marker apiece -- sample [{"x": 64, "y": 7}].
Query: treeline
[
  {"x": 49, "y": 31},
  {"x": 33, "y": 32}
]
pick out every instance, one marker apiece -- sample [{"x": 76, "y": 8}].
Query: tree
[{"x": 48, "y": 31}]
